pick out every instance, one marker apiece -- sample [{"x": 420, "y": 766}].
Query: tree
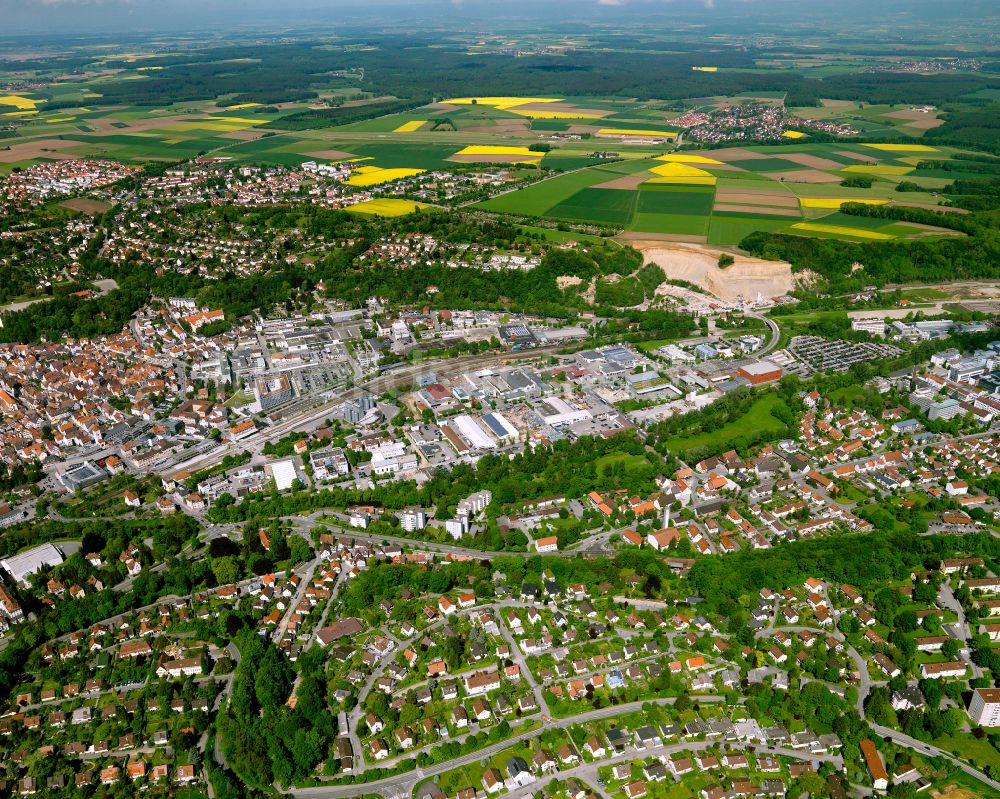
[
  {"x": 906, "y": 621},
  {"x": 226, "y": 570},
  {"x": 931, "y": 623},
  {"x": 902, "y": 790},
  {"x": 878, "y": 707},
  {"x": 299, "y": 549},
  {"x": 932, "y": 691}
]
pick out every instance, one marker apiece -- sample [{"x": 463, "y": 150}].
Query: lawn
[
  {"x": 560, "y": 236},
  {"x": 759, "y": 418},
  {"x": 655, "y": 344},
  {"x": 979, "y": 753},
  {"x": 618, "y": 462},
  {"x": 846, "y": 395},
  {"x": 926, "y": 295},
  {"x": 960, "y": 779}
]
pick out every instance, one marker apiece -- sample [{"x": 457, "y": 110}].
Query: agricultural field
[
  {"x": 719, "y": 196},
  {"x": 614, "y": 163}
]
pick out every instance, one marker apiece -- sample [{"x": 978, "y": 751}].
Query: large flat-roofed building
[
  {"x": 24, "y": 564},
  {"x": 283, "y": 473},
  {"x": 81, "y": 475},
  {"x": 472, "y": 432},
  {"x": 500, "y": 427},
  {"x": 760, "y": 372},
  {"x": 984, "y": 707}
]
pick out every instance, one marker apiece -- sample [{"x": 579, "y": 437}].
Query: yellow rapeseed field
[
  {"x": 878, "y": 169},
  {"x": 835, "y": 202},
  {"x": 687, "y": 158},
  {"x": 386, "y": 207},
  {"x": 903, "y": 148},
  {"x": 552, "y": 114},
  {"x": 373, "y": 176},
  {"x": 705, "y": 69},
  {"x": 17, "y": 101},
  {"x": 682, "y": 173},
  {"x": 841, "y": 230},
  {"x": 794, "y": 134},
  {"x": 489, "y": 149},
  {"x": 409, "y": 127},
  {"x": 500, "y": 102}
]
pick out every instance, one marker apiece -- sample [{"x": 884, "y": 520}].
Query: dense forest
[
  {"x": 973, "y": 256},
  {"x": 263, "y": 739},
  {"x": 973, "y": 125},
  {"x": 883, "y": 262},
  {"x": 405, "y": 65},
  {"x": 66, "y": 316}
]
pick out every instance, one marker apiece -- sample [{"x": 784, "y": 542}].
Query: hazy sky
[{"x": 111, "y": 16}]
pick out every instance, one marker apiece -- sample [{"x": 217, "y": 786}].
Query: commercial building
[
  {"x": 329, "y": 463},
  {"x": 23, "y": 565},
  {"x": 760, "y": 372},
  {"x": 501, "y": 427},
  {"x": 283, "y": 473},
  {"x": 470, "y": 430},
  {"x": 392, "y": 458},
  {"x": 81, "y": 475}
]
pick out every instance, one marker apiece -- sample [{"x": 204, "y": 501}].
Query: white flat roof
[
  {"x": 27, "y": 563},
  {"x": 284, "y": 473},
  {"x": 471, "y": 430}
]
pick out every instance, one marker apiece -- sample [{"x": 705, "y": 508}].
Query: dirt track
[{"x": 699, "y": 264}]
